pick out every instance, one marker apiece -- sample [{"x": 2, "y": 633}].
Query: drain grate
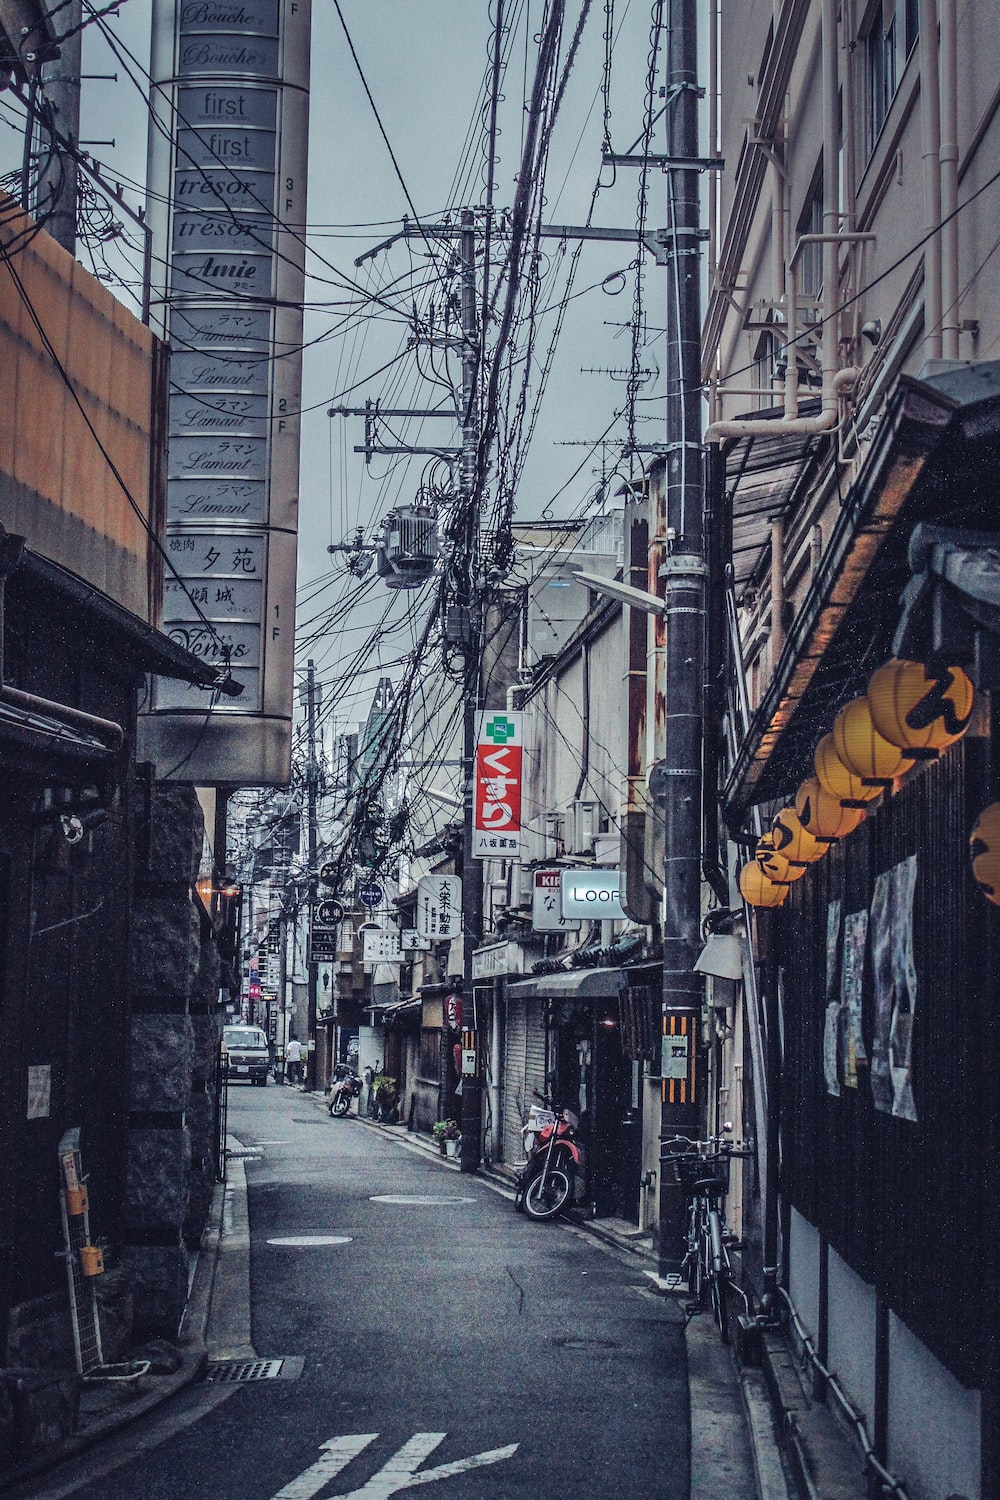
[
  {"x": 591, "y": 1345},
  {"x": 250, "y": 1154},
  {"x": 239, "y": 1371}
]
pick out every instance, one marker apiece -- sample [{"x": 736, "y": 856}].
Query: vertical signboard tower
[{"x": 227, "y": 178}]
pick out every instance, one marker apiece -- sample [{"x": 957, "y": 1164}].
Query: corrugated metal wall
[{"x": 902, "y": 1201}]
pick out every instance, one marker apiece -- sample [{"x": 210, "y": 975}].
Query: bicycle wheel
[
  {"x": 548, "y": 1193},
  {"x": 720, "y": 1307}
]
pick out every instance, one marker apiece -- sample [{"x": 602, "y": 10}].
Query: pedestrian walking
[{"x": 293, "y": 1061}]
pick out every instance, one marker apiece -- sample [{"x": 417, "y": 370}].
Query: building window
[
  {"x": 810, "y": 283},
  {"x": 889, "y": 36},
  {"x": 765, "y": 370}
]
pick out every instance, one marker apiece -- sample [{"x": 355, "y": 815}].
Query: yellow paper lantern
[
  {"x": 776, "y": 866},
  {"x": 984, "y": 847},
  {"x": 757, "y": 889},
  {"x": 921, "y": 709},
  {"x": 835, "y": 778},
  {"x": 823, "y": 815},
  {"x": 862, "y": 749},
  {"x": 794, "y": 840}
]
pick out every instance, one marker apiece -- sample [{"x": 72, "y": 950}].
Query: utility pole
[
  {"x": 57, "y": 190},
  {"x": 684, "y": 573},
  {"x": 472, "y": 870},
  {"x": 312, "y": 836}
]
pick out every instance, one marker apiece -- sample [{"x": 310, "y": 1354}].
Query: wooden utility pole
[{"x": 312, "y": 793}]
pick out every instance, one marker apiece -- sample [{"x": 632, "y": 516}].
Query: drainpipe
[
  {"x": 948, "y": 157},
  {"x": 930, "y": 123},
  {"x": 835, "y": 382},
  {"x": 777, "y": 589}
]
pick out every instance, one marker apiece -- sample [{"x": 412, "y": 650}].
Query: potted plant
[{"x": 447, "y": 1133}]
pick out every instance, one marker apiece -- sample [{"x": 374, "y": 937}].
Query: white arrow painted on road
[
  {"x": 337, "y": 1454},
  {"x": 400, "y": 1473}
]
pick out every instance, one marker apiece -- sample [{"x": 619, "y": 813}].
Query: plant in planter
[{"x": 445, "y": 1132}]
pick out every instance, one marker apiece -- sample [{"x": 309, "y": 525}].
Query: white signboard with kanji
[
  {"x": 381, "y": 946},
  {"x": 439, "y": 906},
  {"x": 546, "y": 904},
  {"x": 496, "y": 831}
]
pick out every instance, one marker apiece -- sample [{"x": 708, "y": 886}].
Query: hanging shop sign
[
  {"x": 496, "y": 832},
  {"x": 592, "y": 893},
  {"x": 546, "y": 903},
  {"x": 439, "y": 906},
  {"x": 381, "y": 946}
]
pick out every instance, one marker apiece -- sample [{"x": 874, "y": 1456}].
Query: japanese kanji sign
[
  {"x": 496, "y": 832},
  {"x": 546, "y": 904},
  {"x": 439, "y": 906}
]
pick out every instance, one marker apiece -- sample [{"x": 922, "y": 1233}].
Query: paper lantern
[
  {"x": 774, "y": 865},
  {"x": 794, "y": 841},
  {"x": 835, "y": 778},
  {"x": 823, "y": 815},
  {"x": 919, "y": 708},
  {"x": 757, "y": 889},
  {"x": 984, "y": 847},
  {"x": 862, "y": 749}
]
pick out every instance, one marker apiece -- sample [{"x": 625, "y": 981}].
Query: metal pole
[
  {"x": 472, "y": 870},
  {"x": 683, "y": 572},
  {"x": 312, "y": 788}
]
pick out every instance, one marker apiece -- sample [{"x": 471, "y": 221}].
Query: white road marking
[
  {"x": 421, "y": 1200},
  {"x": 306, "y": 1241},
  {"x": 400, "y": 1473},
  {"x": 337, "y": 1454}
]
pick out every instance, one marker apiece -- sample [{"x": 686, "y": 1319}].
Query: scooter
[
  {"x": 554, "y": 1176},
  {"x": 346, "y": 1086}
]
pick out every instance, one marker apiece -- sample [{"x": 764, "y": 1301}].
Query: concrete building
[{"x": 849, "y": 357}]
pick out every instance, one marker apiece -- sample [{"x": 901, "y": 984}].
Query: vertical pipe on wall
[
  {"x": 831, "y": 194},
  {"x": 777, "y": 588},
  {"x": 930, "y": 121},
  {"x": 949, "y": 179}
]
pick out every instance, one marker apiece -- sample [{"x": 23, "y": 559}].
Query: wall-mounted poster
[
  {"x": 831, "y": 1071},
  {"x": 852, "y": 1046},
  {"x": 895, "y": 990}
]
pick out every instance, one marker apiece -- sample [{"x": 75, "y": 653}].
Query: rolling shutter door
[{"x": 515, "y": 1103}]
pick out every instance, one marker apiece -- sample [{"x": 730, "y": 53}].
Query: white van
[{"x": 246, "y": 1051}]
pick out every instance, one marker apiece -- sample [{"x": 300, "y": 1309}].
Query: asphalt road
[{"x": 446, "y": 1341}]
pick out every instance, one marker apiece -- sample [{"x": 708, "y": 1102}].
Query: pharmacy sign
[{"x": 496, "y": 832}]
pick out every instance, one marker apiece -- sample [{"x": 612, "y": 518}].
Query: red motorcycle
[{"x": 554, "y": 1176}]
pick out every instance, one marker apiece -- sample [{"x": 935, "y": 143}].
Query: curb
[{"x": 190, "y": 1345}]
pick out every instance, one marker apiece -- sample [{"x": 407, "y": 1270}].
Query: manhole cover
[
  {"x": 238, "y": 1371},
  {"x": 306, "y": 1241},
  {"x": 421, "y": 1200}
]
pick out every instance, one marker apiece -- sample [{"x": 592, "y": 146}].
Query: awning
[
  {"x": 935, "y": 457},
  {"x": 582, "y": 984},
  {"x": 36, "y": 734}
]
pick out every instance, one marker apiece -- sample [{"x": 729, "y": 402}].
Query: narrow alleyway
[{"x": 441, "y": 1338}]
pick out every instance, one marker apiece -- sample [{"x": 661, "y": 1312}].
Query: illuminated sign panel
[{"x": 230, "y": 125}]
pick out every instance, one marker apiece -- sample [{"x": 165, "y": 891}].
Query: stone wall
[{"x": 175, "y": 1037}]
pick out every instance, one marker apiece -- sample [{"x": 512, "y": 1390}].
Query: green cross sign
[{"x": 500, "y": 731}]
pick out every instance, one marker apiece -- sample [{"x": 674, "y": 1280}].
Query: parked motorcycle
[
  {"x": 554, "y": 1176},
  {"x": 345, "y": 1087}
]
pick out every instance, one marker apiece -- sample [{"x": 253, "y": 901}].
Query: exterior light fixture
[
  {"x": 757, "y": 890},
  {"x": 984, "y": 847},
  {"x": 863, "y": 750},
  {"x": 794, "y": 840},
  {"x": 840, "y": 782},
  {"x": 922, "y": 709},
  {"x": 824, "y": 815}
]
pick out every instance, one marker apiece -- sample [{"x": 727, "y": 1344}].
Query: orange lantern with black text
[
  {"x": 794, "y": 840},
  {"x": 776, "y": 866},
  {"x": 862, "y": 749},
  {"x": 835, "y": 778},
  {"x": 984, "y": 847},
  {"x": 757, "y": 889},
  {"x": 922, "y": 709},
  {"x": 823, "y": 815}
]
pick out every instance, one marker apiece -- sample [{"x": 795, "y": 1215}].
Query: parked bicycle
[
  {"x": 382, "y": 1102},
  {"x": 702, "y": 1169}
]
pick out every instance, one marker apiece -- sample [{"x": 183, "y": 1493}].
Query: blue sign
[{"x": 371, "y": 895}]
